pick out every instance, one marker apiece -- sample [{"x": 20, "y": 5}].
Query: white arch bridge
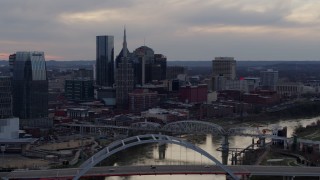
[{"x": 144, "y": 139}]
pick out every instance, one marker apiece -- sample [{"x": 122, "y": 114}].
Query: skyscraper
[
  {"x": 30, "y": 85},
  {"x": 269, "y": 79},
  {"x": 9, "y": 125},
  {"x": 124, "y": 76},
  {"x": 105, "y": 60},
  {"x": 5, "y": 97},
  {"x": 148, "y": 66}
]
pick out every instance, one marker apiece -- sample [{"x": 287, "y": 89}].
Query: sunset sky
[{"x": 179, "y": 29}]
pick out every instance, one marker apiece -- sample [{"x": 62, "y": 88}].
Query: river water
[{"x": 177, "y": 155}]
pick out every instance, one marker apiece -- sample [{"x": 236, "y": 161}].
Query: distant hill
[
  {"x": 89, "y": 63},
  {"x": 239, "y": 63},
  {"x": 70, "y": 64},
  {"x": 3, "y": 62}
]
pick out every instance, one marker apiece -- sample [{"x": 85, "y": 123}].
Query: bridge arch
[
  {"x": 143, "y": 139},
  {"x": 191, "y": 126},
  {"x": 146, "y": 125}
]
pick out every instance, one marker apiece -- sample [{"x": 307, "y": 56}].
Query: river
[{"x": 177, "y": 155}]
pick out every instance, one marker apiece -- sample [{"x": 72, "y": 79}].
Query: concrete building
[
  {"x": 78, "y": 113},
  {"x": 269, "y": 79},
  {"x": 79, "y": 90},
  {"x": 239, "y": 85},
  {"x": 124, "y": 77},
  {"x": 142, "y": 99},
  {"x": 9, "y": 128},
  {"x": 30, "y": 88},
  {"x": 252, "y": 82},
  {"x": 224, "y": 66},
  {"x": 217, "y": 83},
  {"x": 105, "y": 61},
  {"x": 290, "y": 89}
]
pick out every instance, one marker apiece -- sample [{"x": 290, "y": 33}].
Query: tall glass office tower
[
  {"x": 105, "y": 60},
  {"x": 30, "y": 85}
]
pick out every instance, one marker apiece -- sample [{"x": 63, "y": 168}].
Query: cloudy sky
[{"x": 179, "y": 29}]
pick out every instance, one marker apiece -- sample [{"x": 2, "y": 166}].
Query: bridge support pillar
[
  {"x": 225, "y": 143},
  {"x": 285, "y": 144},
  {"x": 288, "y": 178},
  {"x": 225, "y": 149},
  {"x": 245, "y": 177},
  {"x": 262, "y": 141}
]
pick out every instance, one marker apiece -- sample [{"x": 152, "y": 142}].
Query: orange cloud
[
  {"x": 4, "y": 56},
  {"x": 53, "y": 57}
]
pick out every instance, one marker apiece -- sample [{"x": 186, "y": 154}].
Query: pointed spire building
[{"x": 124, "y": 75}]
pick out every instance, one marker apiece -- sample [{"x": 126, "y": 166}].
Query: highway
[{"x": 167, "y": 170}]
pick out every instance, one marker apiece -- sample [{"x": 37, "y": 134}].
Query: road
[{"x": 168, "y": 170}]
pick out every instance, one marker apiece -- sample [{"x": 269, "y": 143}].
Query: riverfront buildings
[{"x": 105, "y": 60}]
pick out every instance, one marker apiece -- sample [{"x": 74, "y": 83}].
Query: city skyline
[{"x": 183, "y": 30}]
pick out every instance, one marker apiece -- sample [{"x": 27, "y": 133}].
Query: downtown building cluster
[{"x": 131, "y": 70}]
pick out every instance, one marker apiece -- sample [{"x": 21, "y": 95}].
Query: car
[
  {"x": 111, "y": 170},
  {"x": 152, "y": 167},
  {"x": 207, "y": 166}
]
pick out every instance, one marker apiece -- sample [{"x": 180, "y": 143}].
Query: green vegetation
[
  {"x": 311, "y": 131},
  {"x": 301, "y": 109}
]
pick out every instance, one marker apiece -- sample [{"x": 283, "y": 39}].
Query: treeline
[{"x": 304, "y": 109}]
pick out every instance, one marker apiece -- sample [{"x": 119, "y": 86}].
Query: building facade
[
  {"x": 193, "y": 94},
  {"x": 124, "y": 77},
  {"x": 269, "y": 79},
  {"x": 224, "y": 66},
  {"x": 142, "y": 99},
  {"x": 104, "y": 61},
  {"x": 30, "y": 85},
  {"x": 79, "y": 90},
  {"x": 290, "y": 89},
  {"x": 5, "y": 97},
  {"x": 148, "y": 66}
]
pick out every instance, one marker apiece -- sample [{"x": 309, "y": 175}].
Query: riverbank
[{"x": 300, "y": 110}]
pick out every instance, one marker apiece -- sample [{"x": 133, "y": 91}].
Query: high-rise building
[
  {"x": 30, "y": 85},
  {"x": 124, "y": 76},
  {"x": 269, "y": 79},
  {"x": 9, "y": 125},
  {"x": 148, "y": 66},
  {"x": 224, "y": 66},
  {"x": 5, "y": 97},
  {"x": 79, "y": 89},
  {"x": 160, "y": 62},
  {"x": 143, "y": 58},
  {"x": 105, "y": 60}
]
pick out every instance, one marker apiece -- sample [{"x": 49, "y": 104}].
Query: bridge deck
[{"x": 168, "y": 170}]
